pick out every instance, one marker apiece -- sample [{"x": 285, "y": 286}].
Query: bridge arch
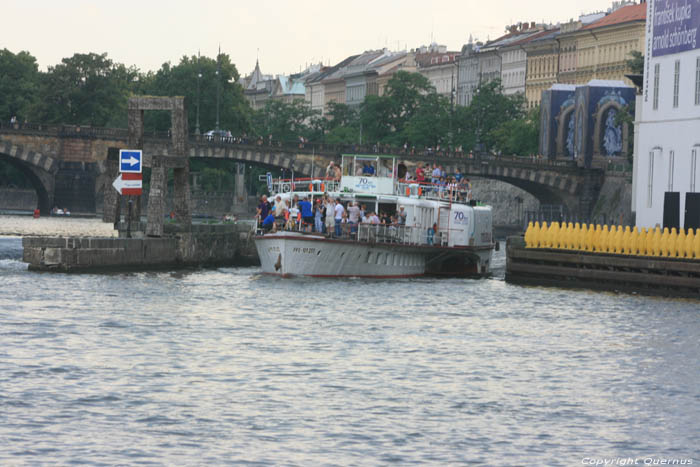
[{"x": 39, "y": 169}]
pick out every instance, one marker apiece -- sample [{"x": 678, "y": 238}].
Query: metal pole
[
  {"x": 199, "y": 78},
  {"x": 128, "y": 219},
  {"x": 218, "y": 85}
]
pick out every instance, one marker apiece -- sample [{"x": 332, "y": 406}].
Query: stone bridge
[{"x": 67, "y": 164}]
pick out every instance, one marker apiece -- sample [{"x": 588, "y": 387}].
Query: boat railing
[
  {"x": 367, "y": 233},
  {"x": 287, "y": 185},
  {"x": 433, "y": 191}
]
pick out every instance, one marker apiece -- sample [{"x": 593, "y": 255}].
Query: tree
[
  {"x": 430, "y": 122},
  {"x": 341, "y": 115},
  {"x": 19, "y": 83},
  {"x": 181, "y": 80},
  {"x": 375, "y": 118},
  {"x": 489, "y": 109},
  {"x": 519, "y": 137},
  {"x": 635, "y": 63},
  {"x": 287, "y": 121},
  {"x": 85, "y": 89},
  {"x": 405, "y": 91}
]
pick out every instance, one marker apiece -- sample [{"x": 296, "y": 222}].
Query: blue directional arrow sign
[{"x": 130, "y": 161}]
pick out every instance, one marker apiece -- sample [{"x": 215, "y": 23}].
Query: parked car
[{"x": 218, "y": 134}]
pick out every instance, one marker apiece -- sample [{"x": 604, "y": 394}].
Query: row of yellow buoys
[{"x": 614, "y": 239}]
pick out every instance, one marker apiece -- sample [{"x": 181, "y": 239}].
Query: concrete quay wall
[
  {"x": 673, "y": 277},
  {"x": 202, "y": 245}
]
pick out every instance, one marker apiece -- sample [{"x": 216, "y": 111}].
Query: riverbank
[{"x": 55, "y": 227}]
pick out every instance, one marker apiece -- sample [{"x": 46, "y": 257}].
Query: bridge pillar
[
  {"x": 156, "y": 197},
  {"x": 181, "y": 199},
  {"x": 111, "y": 197}
]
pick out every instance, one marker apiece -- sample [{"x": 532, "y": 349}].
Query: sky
[{"x": 285, "y": 35}]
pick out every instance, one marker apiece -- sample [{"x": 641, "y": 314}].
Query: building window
[
  {"x": 671, "y": 163},
  {"x": 656, "y": 85},
  {"x": 697, "y": 81},
  {"x": 676, "y": 82},
  {"x": 693, "y": 167},
  {"x": 650, "y": 186}
]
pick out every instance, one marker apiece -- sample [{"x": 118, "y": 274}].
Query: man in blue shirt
[
  {"x": 268, "y": 222},
  {"x": 307, "y": 215}
]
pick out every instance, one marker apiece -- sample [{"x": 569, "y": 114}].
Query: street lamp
[
  {"x": 218, "y": 73},
  {"x": 199, "y": 79}
]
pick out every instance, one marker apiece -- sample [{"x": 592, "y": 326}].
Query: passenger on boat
[
  {"x": 318, "y": 215},
  {"x": 293, "y": 217},
  {"x": 435, "y": 175},
  {"x": 420, "y": 174},
  {"x": 345, "y": 226},
  {"x": 330, "y": 170},
  {"x": 279, "y": 207},
  {"x": 263, "y": 208},
  {"x": 337, "y": 175},
  {"x": 401, "y": 215},
  {"x": 307, "y": 215},
  {"x": 338, "y": 210},
  {"x": 374, "y": 219},
  {"x": 268, "y": 222},
  {"x": 330, "y": 215},
  {"x": 367, "y": 169},
  {"x": 385, "y": 218}
]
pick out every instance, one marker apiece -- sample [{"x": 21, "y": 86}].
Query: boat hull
[{"x": 294, "y": 254}]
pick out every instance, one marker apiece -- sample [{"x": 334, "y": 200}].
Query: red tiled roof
[{"x": 625, "y": 14}]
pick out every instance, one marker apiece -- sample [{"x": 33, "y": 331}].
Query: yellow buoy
[
  {"x": 528, "y": 235},
  {"x": 673, "y": 243},
  {"x": 605, "y": 239},
  {"x": 688, "y": 247},
  {"x": 626, "y": 241}
]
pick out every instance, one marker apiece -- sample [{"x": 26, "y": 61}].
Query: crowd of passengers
[
  {"x": 433, "y": 179},
  {"x": 324, "y": 215}
]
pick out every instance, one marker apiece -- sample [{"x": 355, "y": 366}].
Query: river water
[{"x": 229, "y": 366}]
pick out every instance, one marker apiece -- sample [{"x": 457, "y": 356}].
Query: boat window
[{"x": 379, "y": 258}]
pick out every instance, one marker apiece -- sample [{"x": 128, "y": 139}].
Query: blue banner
[{"x": 676, "y": 26}]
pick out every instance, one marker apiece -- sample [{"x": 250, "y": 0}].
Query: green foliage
[
  {"x": 519, "y": 136},
  {"x": 287, "y": 121},
  {"x": 213, "y": 179},
  {"x": 343, "y": 135},
  {"x": 375, "y": 119},
  {"x": 181, "y": 80},
  {"x": 19, "y": 82},
  {"x": 85, "y": 89},
  {"x": 430, "y": 122},
  {"x": 341, "y": 115},
  {"x": 636, "y": 62}
]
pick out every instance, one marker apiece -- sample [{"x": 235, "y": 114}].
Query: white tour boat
[{"x": 445, "y": 233}]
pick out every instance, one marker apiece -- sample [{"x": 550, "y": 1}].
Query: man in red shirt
[{"x": 420, "y": 175}]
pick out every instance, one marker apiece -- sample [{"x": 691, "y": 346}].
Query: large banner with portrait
[{"x": 676, "y": 26}]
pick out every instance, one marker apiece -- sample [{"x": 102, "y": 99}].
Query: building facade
[
  {"x": 542, "y": 66},
  {"x": 467, "y": 73},
  {"x": 600, "y": 49},
  {"x": 438, "y": 65},
  {"x": 666, "y": 188}
]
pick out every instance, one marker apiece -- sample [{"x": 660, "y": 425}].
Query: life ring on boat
[{"x": 285, "y": 188}]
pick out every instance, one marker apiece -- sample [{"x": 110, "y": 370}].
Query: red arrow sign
[{"x": 129, "y": 184}]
